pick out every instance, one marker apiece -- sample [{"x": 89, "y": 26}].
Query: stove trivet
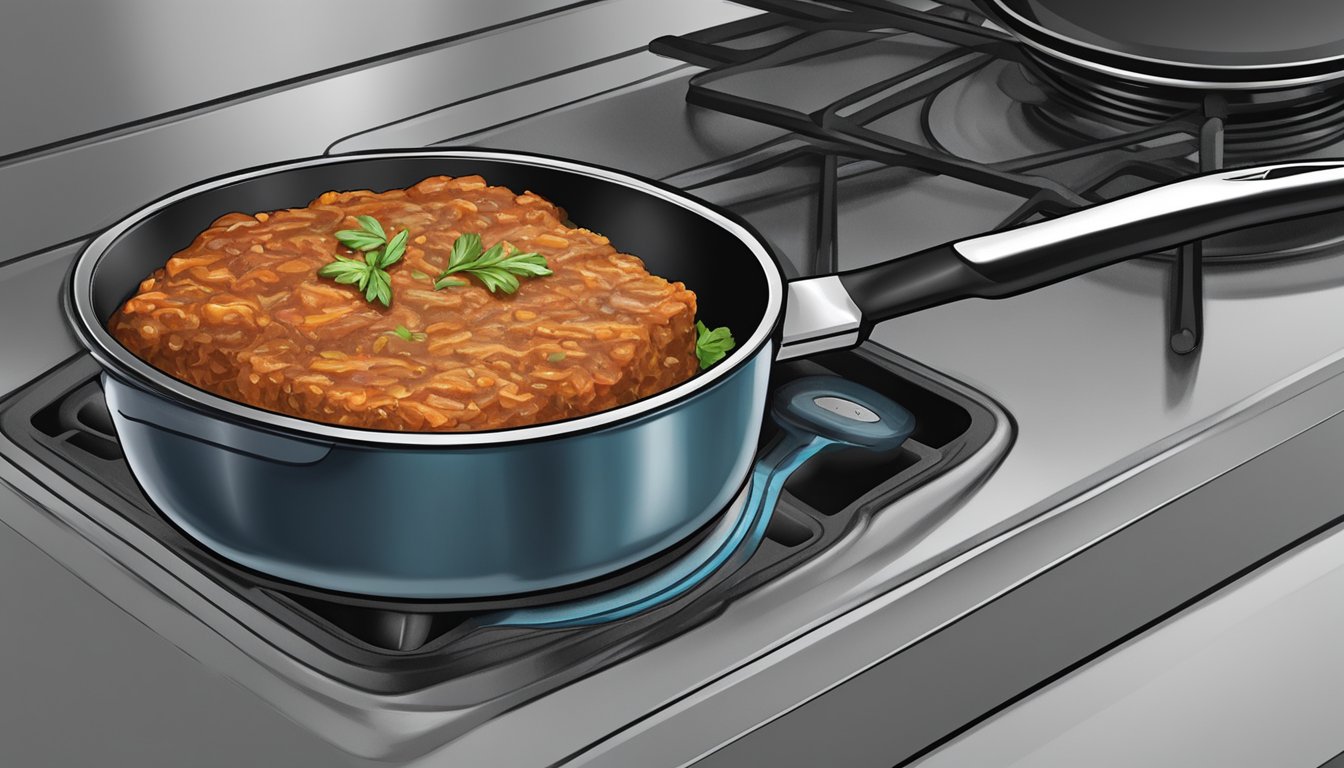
[
  {"x": 58, "y": 432},
  {"x": 1096, "y": 140}
]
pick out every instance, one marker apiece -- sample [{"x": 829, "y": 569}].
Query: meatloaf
[{"x": 242, "y": 313}]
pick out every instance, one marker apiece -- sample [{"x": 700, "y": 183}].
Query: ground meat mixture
[{"x": 242, "y": 313}]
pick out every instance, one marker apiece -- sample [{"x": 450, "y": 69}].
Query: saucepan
[{"x": 507, "y": 512}]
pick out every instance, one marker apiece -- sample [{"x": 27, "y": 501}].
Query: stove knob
[{"x": 842, "y": 412}]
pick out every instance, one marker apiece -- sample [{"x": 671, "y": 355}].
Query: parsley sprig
[
  {"x": 406, "y": 334},
  {"x": 370, "y": 275},
  {"x": 712, "y": 346},
  {"x": 492, "y": 267}
]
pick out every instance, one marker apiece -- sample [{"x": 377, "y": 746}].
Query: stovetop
[
  {"x": 60, "y": 431},
  {"x": 1096, "y": 420}
]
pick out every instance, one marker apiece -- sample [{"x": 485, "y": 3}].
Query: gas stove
[{"x": 1065, "y": 493}]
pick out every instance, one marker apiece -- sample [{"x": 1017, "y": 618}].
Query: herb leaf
[
  {"x": 371, "y": 226},
  {"x": 712, "y": 346},
  {"x": 394, "y": 250},
  {"x": 406, "y": 334},
  {"x": 465, "y": 248},
  {"x": 493, "y": 268},
  {"x": 379, "y": 288},
  {"x": 357, "y": 240},
  {"x": 343, "y": 270},
  {"x": 369, "y": 275}
]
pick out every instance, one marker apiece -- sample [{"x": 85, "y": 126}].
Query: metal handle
[
  {"x": 1155, "y": 219},
  {"x": 1034, "y": 255}
]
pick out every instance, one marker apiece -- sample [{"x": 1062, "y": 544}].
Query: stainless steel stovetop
[{"x": 1120, "y": 484}]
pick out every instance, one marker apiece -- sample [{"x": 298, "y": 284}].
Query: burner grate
[
  {"x": 61, "y": 422},
  {"x": 1108, "y": 136}
]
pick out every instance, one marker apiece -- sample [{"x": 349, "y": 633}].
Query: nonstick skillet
[
  {"x": 1244, "y": 45},
  {"x": 447, "y": 516}
]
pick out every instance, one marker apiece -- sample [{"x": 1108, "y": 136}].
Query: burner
[
  {"x": 60, "y": 422},
  {"x": 1039, "y": 116},
  {"x": 1261, "y": 126},
  {"x": 1022, "y": 98}
]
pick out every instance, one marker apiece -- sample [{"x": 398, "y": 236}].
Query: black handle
[{"x": 1024, "y": 258}]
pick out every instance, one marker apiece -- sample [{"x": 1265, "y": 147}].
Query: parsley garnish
[
  {"x": 370, "y": 275},
  {"x": 712, "y": 346},
  {"x": 405, "y": 334},
  {"x": 492, "y": 267},
  {"x": 555, "y": 357}
]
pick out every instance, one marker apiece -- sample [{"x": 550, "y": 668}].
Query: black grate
[
  {"x": 61, "y": 421},
  {"x": 1107, "y": 135}
]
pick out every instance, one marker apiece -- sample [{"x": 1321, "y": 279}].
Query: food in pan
[{"x": 448, "y": 306}]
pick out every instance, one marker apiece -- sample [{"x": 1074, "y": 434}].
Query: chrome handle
[
  {"x": 838, "y": 310},
  {"x": 1156, "y": 219}
]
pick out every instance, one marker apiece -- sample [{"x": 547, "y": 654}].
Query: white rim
[{"x": 114, "y": 356}]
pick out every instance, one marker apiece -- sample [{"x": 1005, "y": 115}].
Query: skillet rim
[
  {"x": 1161, "y": 71},
  {"x": 117, "y": 361}
]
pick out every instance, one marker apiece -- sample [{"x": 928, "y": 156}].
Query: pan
[
  {"x": 508, "y": 512},
  {"x": 1198, "y": 44}
]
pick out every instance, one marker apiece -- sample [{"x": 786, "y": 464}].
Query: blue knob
[{"x": 842, "y": 411}]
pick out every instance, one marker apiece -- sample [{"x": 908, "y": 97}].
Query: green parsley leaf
[
  {"x": 379, "y": 287},
  {"x": 358, "y": 240},
  {"x": 370, "y": 275},
  {"x": 343, "y": 270},
  {"x": 394, "y": 250},
  {"x": 465, "y": 248},
  {"x": 371, "y": 225},
  {"x": 495, "y": 270},
  {"x": 555, "y": 357},
  {"x": 712, "y": 346},
  {"x": 405, "y": 334}
]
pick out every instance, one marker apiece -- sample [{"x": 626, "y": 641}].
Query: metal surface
[
  {"x": 1108, "y": 427},
  {"x": 819, "y": 307},
  {"x": 1065, "y": 616},
  {"x": 969, "y": 587},
  {"x": 1250, "y": 677},
  {"x": 331, "y": 687},
  {"x": 161, "y": 57},
  {"x": 118, "y": 171},
  {"x": 1159, "y": 218},
  {"x": 92, "y": 656}
]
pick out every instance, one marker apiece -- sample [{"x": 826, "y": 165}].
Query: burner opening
[
  {"x": 83, "y": 421},
  {"x": 814, "y": 484},
  {"x": 385, "y": 630},
  {"x": 791, "y": 530}
]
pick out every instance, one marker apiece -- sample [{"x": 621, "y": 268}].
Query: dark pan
[
  {"x": 452, "y": 516},
  {"x": 1240, "y": 45}
]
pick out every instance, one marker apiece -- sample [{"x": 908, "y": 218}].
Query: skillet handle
[{"x": 839, "y": 310}]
